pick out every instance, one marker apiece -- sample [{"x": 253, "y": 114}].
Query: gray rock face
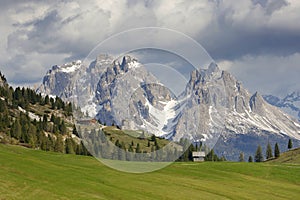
[
  {"x": 3, "y": 82},
  {"x": 223, "y": 105},
  {"x": 60, "y": 80},
  {"x": 74, "y": 82},
  {"x": 214, "y": 104}
]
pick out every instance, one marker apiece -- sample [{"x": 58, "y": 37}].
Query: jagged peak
[
  {"x": 213, "y": 67},
  {"x": 3, "y": 80},
  {"x": 128, "y": 59}
]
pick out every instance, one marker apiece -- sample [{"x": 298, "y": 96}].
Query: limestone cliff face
[{"x": 213, "y": 105}]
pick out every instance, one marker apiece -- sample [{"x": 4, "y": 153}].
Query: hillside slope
[
  {"x": 29, "y": 174},
  {"x": 40, "y": 122},
  {"x": 292, "y": 156}
]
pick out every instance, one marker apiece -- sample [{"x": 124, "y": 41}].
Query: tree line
[{"x": 259, "y": 157}]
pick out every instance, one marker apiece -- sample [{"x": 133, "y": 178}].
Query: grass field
[{"x": 33, "y": 174}]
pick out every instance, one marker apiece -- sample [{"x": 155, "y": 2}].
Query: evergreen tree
[
  {"x": 15, "y": 130},
  {"x": 153, "y": 138},
  {"x": 190, "y": 152},
  {"x": 117, "y": 143},
  {"x": 74, "y": 131},
  {"x": 52, "y": 119},
  {"x": 32, "y": 136},
  {"x": 138, "y": 148},
  {"x": 130, "y": 149},
  {"x": 250, "y": 159},
  {"x": 211, "y": 156},
  {"x": 45, "y": 121},
  {"x": 47, "y": 99},
  {"x": 63, "y": 128},
  {"x": 69, "y": 146},
  {"x": 241, "y": 157},
  {"x": 59, "y": 144},
  {"x": 258, "y": 155},
  {"x": 269, "y": 153},
  {"x": 276, "y": 151},
  {"x": 68, "y": 109},
  {"x": 52, "y": 102},
  {"x": 290, "y": 144}
]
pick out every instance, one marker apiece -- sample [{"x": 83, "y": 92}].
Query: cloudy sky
[{"x": 257, "y": 40}]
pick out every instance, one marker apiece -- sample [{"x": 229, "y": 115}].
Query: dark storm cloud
[
  {"x": 234, "y": 43},
  {"x": 230, "y": 38}
]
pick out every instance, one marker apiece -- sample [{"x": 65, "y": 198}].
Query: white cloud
[
  {"x": 266, "y": 74},
  {"x": 51, "y": 32}
]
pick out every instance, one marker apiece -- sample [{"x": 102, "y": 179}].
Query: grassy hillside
[
  {"x": 33, "y": 174},
  {"x": 129, "y": 137},
  {"x": 292, "y": 156}
]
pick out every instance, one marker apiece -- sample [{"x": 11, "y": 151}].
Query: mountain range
[
  {"x": 289, "y": 104},
  {"x": 214, "y": 108}
]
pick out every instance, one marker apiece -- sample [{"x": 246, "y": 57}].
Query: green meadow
[{"x": 34, "y": 174}]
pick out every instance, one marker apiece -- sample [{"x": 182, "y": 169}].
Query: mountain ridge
[
  {"x": 213, "y": 102},
  {"x": 289, "y": 104}
]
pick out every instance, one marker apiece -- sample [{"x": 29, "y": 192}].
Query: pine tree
[
  {"x": 15, "y": 130},
  {"x": 47, "y": 99},
  {"x": 69, "y": 146},
  {"x": 52, "y": 103},
  {"x": 211, "y": 156},
  {"x": 269, "y": 153},
  {"x": 250, "y": 159},
  {"x": 138, "y": 148},
  {"x": 130, "y": 149},
  {"x": 52, "y": 119},
  {"x": 75, "y": 132},
  {"x": 117, "y": 143},
  {"x": 290, "y": 144},
  {"x": 276, "y": 151},
  {"x": 63, "y": 128},
  {"x": 59, "y": 144},
  {"x": 68, "y": 109},
  {"x": 45, "y": 120},
  {"x": 241, "y": 157},
  {"x": 258, "y": 155}
]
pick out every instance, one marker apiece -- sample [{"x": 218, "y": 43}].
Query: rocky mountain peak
[
  {"x": 213, "y": 102},
  {"x": 213, "y": 68}
]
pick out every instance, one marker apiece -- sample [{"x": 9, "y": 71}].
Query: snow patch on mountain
[
  {"x": 71, "y": 67},
  {"x": 213, "y": 105},
  {"x": 162, "y": 118}
]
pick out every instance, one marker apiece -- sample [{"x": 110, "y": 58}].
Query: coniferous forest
[{"x": 35, "y": 121}]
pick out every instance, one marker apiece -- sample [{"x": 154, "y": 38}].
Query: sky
[{"x": 258, "y": 41}]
